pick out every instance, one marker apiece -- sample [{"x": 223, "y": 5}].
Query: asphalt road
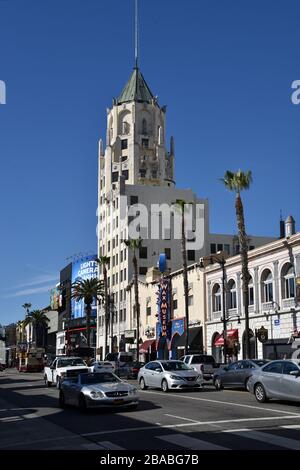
[{"x": 30, "y": 418}]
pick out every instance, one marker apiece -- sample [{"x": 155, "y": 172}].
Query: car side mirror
[
  {"x": 295, "y": 373},
  {"x": 52, "y": 367},
  {"x": 157, "y": 369}
]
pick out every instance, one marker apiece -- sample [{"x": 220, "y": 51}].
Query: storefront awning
[
  {"x": 148, "y": 344},
  {"x": 193, "y": 333},
  {"x": 230, "y": 334}
]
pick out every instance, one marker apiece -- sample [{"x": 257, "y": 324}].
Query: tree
[
  {"x": 180, "y": 203},
  {"x": 27, "y": 307},
  {"x": 87, "y": 290},
  {"x": 39, "y": 323},
  {"x": 135, "y": 244},
  {"x": 237, "y": 182},
  {"x": 104, "y": 261}
]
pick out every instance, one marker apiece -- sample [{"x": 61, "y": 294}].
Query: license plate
[{"x": 118, "y": 402}]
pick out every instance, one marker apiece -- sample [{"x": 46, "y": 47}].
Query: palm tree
[
  {"x": 38, "y": 320},
  {"x": 104, "y": 261},
  {"x": 180, "y": 203},
  {"x": 20, "y": 331},
  {"x": 87, "y": 290},
  {"x": 135, "y": 244},
  {"x": 238, "y": 182}
]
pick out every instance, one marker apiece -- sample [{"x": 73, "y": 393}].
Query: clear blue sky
[{"x": 224, "y": 68}]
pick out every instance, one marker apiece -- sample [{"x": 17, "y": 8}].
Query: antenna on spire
[{"x": 136, "y": 48}]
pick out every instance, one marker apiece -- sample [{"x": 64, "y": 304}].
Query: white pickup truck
[
  {"x": 202, "y": 363},
  {"x": 60, "y": 367}
]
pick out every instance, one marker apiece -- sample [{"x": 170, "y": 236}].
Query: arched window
[
  {"x": 251, "y": 291},
  {"x": 267, "y": 286},
  {"x": 144, "y": 126},
  {"x": 216, "y": 298},
  {"x": 288, "y": 281},
  {"x": 232, "y": 294}
]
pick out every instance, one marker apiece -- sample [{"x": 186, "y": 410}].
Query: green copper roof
[{"x": 136, "y": 89}]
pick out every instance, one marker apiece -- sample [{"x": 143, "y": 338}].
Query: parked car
[
  {"x": 130, "y": 371},
  {"x": 96, "y": 390},
  {"x": 169, "y": 375},
  {"x": 120, "y": 359},
  {"x": 202, "y": 363},
  {"x": 99, "y": 366},
  {"x": 237, "y": 374},
  {"x": 277, "y": 379}
]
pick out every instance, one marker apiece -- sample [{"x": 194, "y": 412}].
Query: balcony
[
  {"x": 268, "y": 306},
  {"x": 288, "y": 303}
]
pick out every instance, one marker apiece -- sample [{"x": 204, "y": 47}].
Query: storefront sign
[
  {"x": 262, "y": 334},
  {"x": 83, "y": 269},
  {"x": 177, "y": 327},
  {"x": 164, "y": 305},
  {"x": 129, "y": 334}
]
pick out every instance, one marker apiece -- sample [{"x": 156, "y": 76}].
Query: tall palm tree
[
  {"x": 87, "y": 290},
  {"x": 20, "y": 331},
  {"x": 38, "y": 320},
  {"x": 135, "y": 244},
  {"x": 180, "y": 203},
  {"x": 237, "y": 182},
  {"x": 104, "y": 261}
]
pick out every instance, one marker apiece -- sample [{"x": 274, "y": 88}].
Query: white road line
[
  {"x": 242, "y": 405},
  {"x": 291, "y": 426},
  {"x": 180, "y": 417},
  {"x": 235, "y": 430},
  {"x": 109, "y": 445},
  {"x": 10, "y": 419},
  {"x": 182, "y": 425},
  {"x": 270, "y": 439},
  {"x": 190, "y": 442}
]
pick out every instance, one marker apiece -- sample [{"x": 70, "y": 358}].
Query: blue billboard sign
[{"x": 82, "y": 269}]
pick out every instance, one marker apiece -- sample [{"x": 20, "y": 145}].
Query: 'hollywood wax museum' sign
[
  {"x": 83, "y": 269},
  {"x": 163, "y": 303}
]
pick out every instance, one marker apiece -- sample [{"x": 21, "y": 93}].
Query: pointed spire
[{"x": 136, "y": 89}]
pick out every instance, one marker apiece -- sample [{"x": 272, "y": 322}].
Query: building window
[
  {"x": 216, "y": 293},
  {"x": 142, "y": 271},
  {"x": 125, "y": 173},
  {"x": 148, "y": 311},
  {"x": 121, "y": 315},
  {"x": 251, "y": 292},
  {"x": 213, "y": 248},
  {"x": 108, "y": 245},
  {"x": 143, "y": 172},
  {"x": 121, "y": 294},
  {"x": 113, "y": 280},
  {"x": 124, "y": 314},
  {"x": 134, "y": 200},
  {"x": 144, "y": 126},
  {"x": 168, "y": 253},
  {"x": 267, "y": 285},
  {"x": 117, "y": 278},
  {"x": 232, "y": 294},
  {"x": 175, "y": 304},
  {"x": 143, "y": 252},
  {"x": 124, "y": 274},
  {"x": 121, "y": 256},
  {"x": 191, "y": 255},
  {"x": 124, "y": 144},
  {"x": 220, "y": 247},
  {"x": 121, "y": 276},
  {"x": 191, "y": 300},
  {"x": 154, "y": 174},
  {"x": 115, "y": 176},
  {"x": 227, "y": 248},
  {"x": 145, "y": 143},
  {"x": 289, "y": 282}
]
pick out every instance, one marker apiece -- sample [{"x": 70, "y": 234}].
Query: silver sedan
[
  {"x": 96, "y": 390},
  {"x": 277, "y": 379},
  {"x": 169, "y": 375}
]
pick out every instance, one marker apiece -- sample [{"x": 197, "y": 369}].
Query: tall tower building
[{"x": 136, "y": 176}]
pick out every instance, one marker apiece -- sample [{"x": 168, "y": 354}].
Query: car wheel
[
  {"x": 218, "y": 383},
  {"x": 260, "y": 393},
  {"x": 62, "y": 402},
  {"x": 143, "y": 386},
  {"x": 247, "y": 384},
  {"x": 132, "y": 407},
  {"x": 164, "y": 386},
  {"x": 47, "y": 383},
  {"x": 82, "y": 403}
]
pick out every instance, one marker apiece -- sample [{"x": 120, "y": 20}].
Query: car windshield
[
  {"x": 260, "y": 362},
  {"x": 203, "y": 360},
  {"x": 77, "y": 361},
  {"x": 90, "y": 379},
  {"x": 175, "y": 365}
]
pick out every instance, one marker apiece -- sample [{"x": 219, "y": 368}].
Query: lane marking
[
  {"x": 242, "y": 405},
  {"x": 270, "y": 439},
  {"x": 291, "y": 426},
  {"x": 192, "y": 443},
  {"x": 110, "y": 445},
  {"x": 235, "y": 430},
  {"x": 183, "y": 425},
  {"x": 10, "y": 419},
  {"x": 180, "y": 417}
]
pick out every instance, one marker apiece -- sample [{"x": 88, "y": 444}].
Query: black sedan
[{"x": 237, "y": 374}]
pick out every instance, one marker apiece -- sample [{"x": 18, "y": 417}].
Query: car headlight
[
  {"x": 95, "y": 395},
  {"x": 176, "y": 377}
]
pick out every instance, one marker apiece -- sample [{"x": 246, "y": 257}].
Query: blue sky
[{"x": 224, "y": 68}]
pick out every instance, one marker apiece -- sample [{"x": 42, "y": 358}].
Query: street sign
[{"x": 277, "y": 322}]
